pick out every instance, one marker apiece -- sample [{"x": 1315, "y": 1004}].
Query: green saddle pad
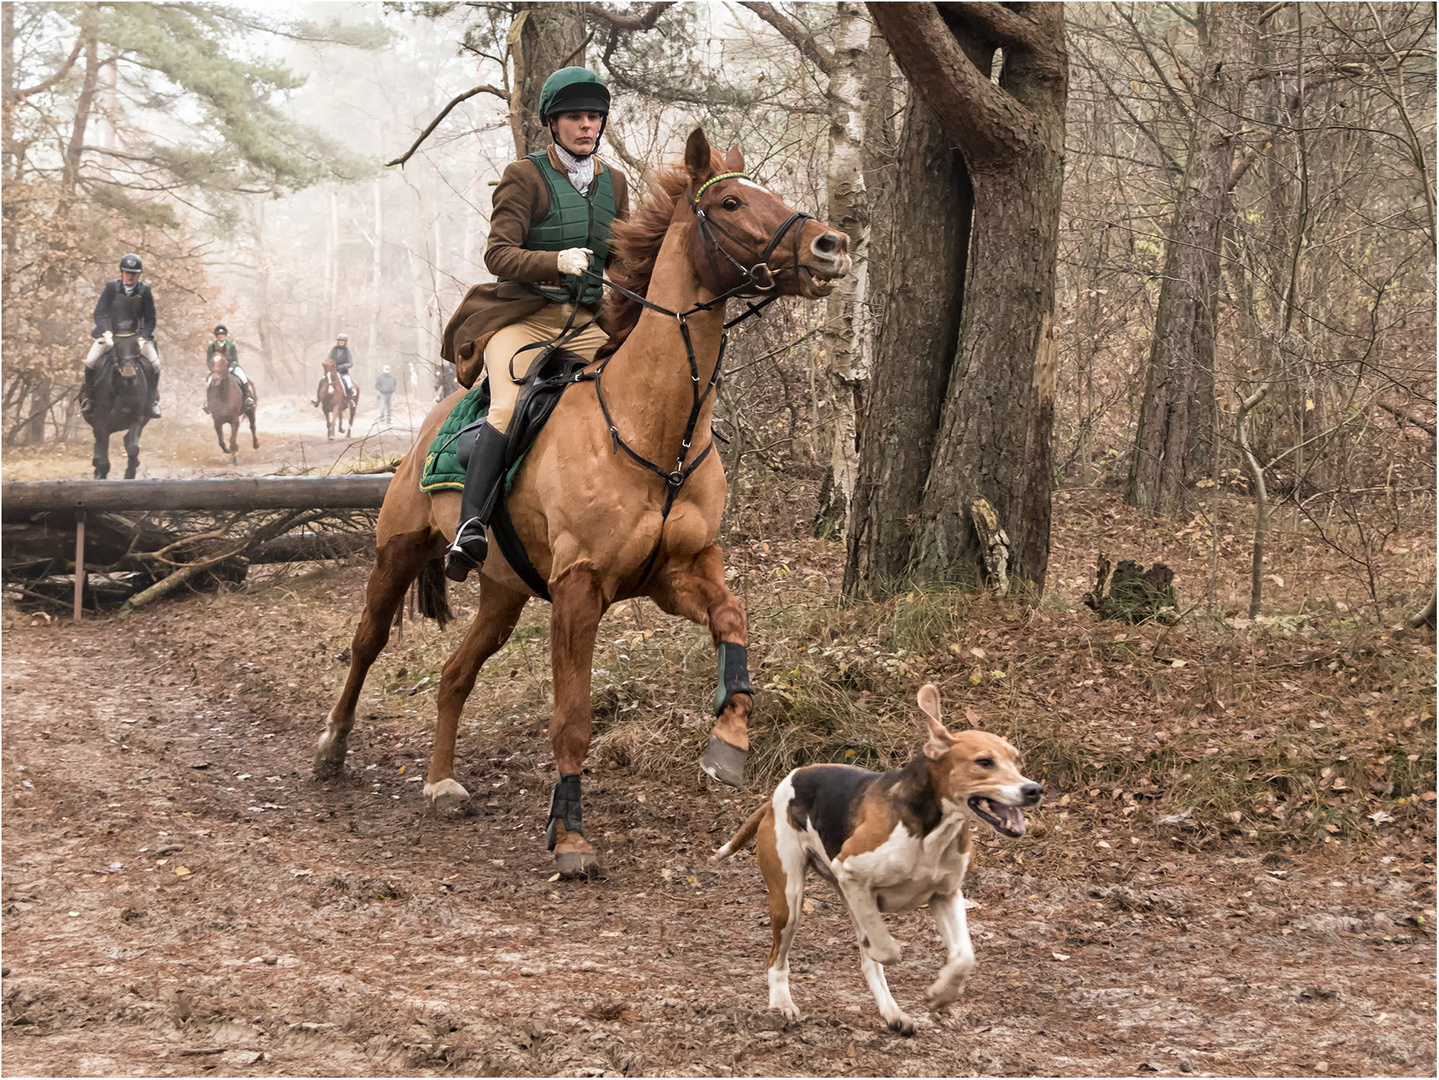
[{"x": 442, "y": 465}]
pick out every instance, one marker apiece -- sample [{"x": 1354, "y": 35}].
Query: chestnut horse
[
  {"x": 227, "y": 406},
  {"x": 333, "y": 401},
  {"x": 601, "y": 526}
]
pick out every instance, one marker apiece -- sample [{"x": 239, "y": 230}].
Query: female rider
[{"x": 549, "y": 242}]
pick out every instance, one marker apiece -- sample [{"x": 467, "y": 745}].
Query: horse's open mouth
[
  {"x": 814, "y": 283},
  {"x": 1006, "y": 819}
]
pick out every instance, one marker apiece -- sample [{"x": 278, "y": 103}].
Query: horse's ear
[
  {"x": 697, "y": 157},
  {"x": 734, "y": 160}
]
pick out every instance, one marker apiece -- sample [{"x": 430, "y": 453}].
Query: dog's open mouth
[{"x": 1006, "y": 819}]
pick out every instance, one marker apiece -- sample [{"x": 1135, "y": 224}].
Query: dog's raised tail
[{"x": 742, "y": 839}]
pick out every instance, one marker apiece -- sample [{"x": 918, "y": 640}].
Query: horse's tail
[{"x": 433, "y": 602}]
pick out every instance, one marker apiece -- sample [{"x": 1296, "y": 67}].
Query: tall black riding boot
[
  {"x": 87, "y": 394},
  {"x": 154, "y": 395},
  {"x": 484, "y": 476}
]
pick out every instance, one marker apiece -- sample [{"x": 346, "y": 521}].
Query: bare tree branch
[
  {"x": 64, "y": 70},
  {"x": 795, "y": 32},
  {"x": 629, "y": 22},
  {"x": 496, "y": 91},
  {"x": 983, "y": 120}
]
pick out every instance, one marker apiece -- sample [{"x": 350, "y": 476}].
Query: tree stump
[{"x": 1135, "y": 594}]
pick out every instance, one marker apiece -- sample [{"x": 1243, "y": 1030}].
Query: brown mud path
[{"x": 180, "y": 898}]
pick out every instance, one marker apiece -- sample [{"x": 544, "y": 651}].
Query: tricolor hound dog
[{"x": 889, "y": 842}]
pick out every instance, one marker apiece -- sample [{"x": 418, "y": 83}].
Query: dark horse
[
  {"x": 121, "y": 397},
  {"x": 333, "y": 401},
  {"x": 227, "y": 405},
  {"x": 600, "y": 526}
]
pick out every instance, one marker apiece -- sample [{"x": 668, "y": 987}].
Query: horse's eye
[
  {"x": 730, "y": 203},
  {"x": 985, "y": 762}
]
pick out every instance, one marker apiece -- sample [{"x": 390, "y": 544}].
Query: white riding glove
[
  {"x": 574, "y": 260},
  {"x": 108, "y": 338}
]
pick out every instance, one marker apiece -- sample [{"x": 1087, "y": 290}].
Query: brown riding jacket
[{"x": 520, "y": 200}]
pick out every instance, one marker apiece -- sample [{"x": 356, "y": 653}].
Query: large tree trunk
[
  {"x": 543, "y": 38},
  {"x": 913, "y": 355},
  {"x": 991, "y": 437},
  {"x": 1176, "y": 417},
  {"x": 844, "y": 349}
]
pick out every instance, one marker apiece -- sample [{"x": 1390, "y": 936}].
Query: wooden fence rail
[
  {"x": 22, "y": 500},
  {"x": 65, "y": 503}
]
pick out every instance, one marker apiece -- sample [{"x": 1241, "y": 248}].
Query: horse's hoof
[
  {"x": 330, "y": 754},
  {"x": 724, "y": 762},
  {"x": 584, "y": 865},
  {"x": 447, "y": 795}
]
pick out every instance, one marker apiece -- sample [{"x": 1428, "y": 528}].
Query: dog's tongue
[{"x": 1009, "y": 817}]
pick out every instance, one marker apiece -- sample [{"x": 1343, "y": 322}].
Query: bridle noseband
[{"x": 759, "y": 276}]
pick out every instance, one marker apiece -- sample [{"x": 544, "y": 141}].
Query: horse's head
[
  {"x": 327, "y": 366},
  {"x": 219, "y": 365},
  {"x": 750, "y": 240}
]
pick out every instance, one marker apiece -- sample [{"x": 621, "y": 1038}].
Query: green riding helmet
[{"x": 574, "y": 89}]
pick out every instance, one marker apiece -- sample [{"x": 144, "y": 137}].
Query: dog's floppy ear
[{"x": 940, "y": 740}]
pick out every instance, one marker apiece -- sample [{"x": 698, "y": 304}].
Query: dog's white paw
[
  {"x": 901, "y": 1023},
  {"x": 942, "y": 993}
]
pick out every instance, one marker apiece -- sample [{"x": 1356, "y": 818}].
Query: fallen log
[{"x": 22, "y": 500}]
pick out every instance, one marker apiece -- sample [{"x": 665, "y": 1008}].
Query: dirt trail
[
  {"x": 180, "y": 898},
  {"x": 182, "y": 444}
]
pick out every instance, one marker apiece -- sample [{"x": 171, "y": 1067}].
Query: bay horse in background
[
  {"x": 600, "y": 526},
  {"x": 227, "y": 405},
  {"x": 121, "y": 398},
  {"x": 333, "y": 401}
]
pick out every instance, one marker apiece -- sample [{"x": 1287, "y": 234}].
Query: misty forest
[{"x": 1120, "y": 430}]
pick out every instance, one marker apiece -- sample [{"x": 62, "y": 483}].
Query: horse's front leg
[
  {"x": 696, "y": 590},
  {"x": 500, "y": 609},
  {"x": 220, "y": 434},
  {"x": 132, "y": 451},
  {"x": 577, "y": 605},
  {"x": 101, "y": 458}
]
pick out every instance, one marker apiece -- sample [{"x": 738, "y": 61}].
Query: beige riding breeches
[
  {"x": 147, "y": 350},
  {"x": 543, "y": 326}
]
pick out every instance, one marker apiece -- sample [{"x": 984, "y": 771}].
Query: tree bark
[
  {"x": 543, "y": 38},
  {"x": 1181, "y": 356},
  {"x": 913, "y": 356},
  {"x": 846, "y": 361},
  {"x": 995, "y": 403}
]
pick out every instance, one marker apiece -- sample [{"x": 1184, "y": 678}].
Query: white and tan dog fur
[{"x": 889, "y": 841}]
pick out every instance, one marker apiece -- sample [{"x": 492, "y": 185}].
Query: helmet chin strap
[{"x": 603, "y": 123}]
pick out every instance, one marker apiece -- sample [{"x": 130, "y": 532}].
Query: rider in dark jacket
[
  {"x": 126, "y": 308},
  {"x": 340, "y": 354}
]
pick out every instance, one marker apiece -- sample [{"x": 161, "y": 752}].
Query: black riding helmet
[
  {"x": 221, "y": 329},
  {"x": 131, "y": 263}
]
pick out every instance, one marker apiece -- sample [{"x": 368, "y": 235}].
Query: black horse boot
[{"x": 484, "y": 476}]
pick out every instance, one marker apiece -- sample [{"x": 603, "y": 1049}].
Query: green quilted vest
[{"x": 574, "y": 220}]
